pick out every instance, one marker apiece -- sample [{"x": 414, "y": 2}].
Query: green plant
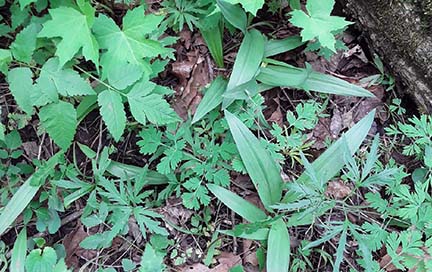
[{"x": 181, "y": 12}]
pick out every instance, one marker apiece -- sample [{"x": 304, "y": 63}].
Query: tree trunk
[{"x": 400, "y": 32}]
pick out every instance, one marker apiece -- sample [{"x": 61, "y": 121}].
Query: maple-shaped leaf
[
  {"x": 74, "y": 28},
  {"x": 126, "y": 48},
  {"x": 112, "y": 112},
  {"x": 53, "y": 79},
  {"x": 318, "y": 23},
  {"x": 251, "y": 6}
]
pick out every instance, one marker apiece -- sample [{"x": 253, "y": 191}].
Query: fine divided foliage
[{"x": 141, "y": 136}]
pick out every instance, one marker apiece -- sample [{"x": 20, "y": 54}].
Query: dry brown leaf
[{"x": 337, "y": 190}]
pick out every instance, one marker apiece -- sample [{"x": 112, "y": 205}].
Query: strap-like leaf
[{"x": 278, "y": 249}]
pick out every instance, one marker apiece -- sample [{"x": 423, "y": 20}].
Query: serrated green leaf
[
  {"x": 319, "y": 23},
  {"x": 278, "y": 249},
  {"x": 212, "y": 98},
  {"x": 74, "y": 28},
  {"x": 261, "y": 167},
  {"x": 240, "y": 206},
  {"x": 21, "y": 86},
  {"x": 152, "y": 260},
  {"x": 5, "y": 59},
  {"x": 25, "y": 43},
  {"x": 251, "y": 6},
  {"x": 127, "y": 47},
  {"x": 19, "y": 252},
  {"x": 112, "y": 112},
  {"x": 247, "y": 62},
  {"x": 53, "y": 79},
  {"x": 41, "y": 260},
  {"x": 145, "y": 105},
  {"x": 60, "y": 121}
]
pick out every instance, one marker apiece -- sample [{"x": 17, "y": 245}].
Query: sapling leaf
[
  {"x": 275, "y": 47},
  {"x": 278, "y": 247},
  {"x": 233, "y": 14},
  {"x": 112, "y": 112},
  {"x": 212, "y": 98},
  {"x": 240, "y": 206},
  {"x": 261, "y": 167},
  {"x": 19, "y": 252}
]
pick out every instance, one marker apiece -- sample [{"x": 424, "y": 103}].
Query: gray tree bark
[{"x": 400, "y": 31}]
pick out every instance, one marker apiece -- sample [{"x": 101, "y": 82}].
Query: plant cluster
[{"x": 67, "y": 60}]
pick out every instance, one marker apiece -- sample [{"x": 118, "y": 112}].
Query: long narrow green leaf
[
  {"x": 240, "y": 206},
  {"x": 234, "y": 14},
  {"x": 247, "y": 62},
  {"x": 127, "y": 171},
  {"x": 258, "y": 235},
  {"x": 284, "y": 75},
  {"x": 333, "y": 159},
  {"x": 25, "y": 193},
  {"x": 212, "y": 98},
  {"x": 19, "y": 252},
  {"x": 275, "y": 47},
  {"x": 262, "y": 169},
  {"x": 211, "y": 30},
  {"x": 340, "y": 249},
  {"x": 278, "y": 249}
]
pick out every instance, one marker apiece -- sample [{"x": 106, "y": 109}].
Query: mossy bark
[{"x": 400, "y": 31}]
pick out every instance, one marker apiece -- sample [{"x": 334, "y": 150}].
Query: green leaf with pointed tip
[
  {"x": 25, "y": 43},
  {"x": 146, "y": 105},
  {"x": 278, "y": 248},
  {"x": 60, "y": 121},
  {"x": 24, "y": 3},
  {"x": 212, "y": 98},
  {"x": 127, "y": 47},
  {"x": 240, "y": 206},
  {"x": 74, "y": 28},
  {"x": 275, "y": 47},
  {"x": 53, "y": 79},
  {"x": 251, "y": 6},
  {"x": 247, "y": 62},
  {"x": 333, "y": 159},
  {"x": 21, "y": 86},
  {"x": 261, "y": 167},
  {"x": 112, "y": 112}
]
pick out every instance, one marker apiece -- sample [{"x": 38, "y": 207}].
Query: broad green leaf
[
  {"x": 318, "y": 23},
  {"x": 240, "y": 206},
  {"x": 333, "y": 159},
  {"x": 60, "y": 121},
  {"x": 21, "y": 86},
  {"x": 112, "y": 112},
  {"x": 284, "y": 75},
  {"x": 145, "y": 105},
  {"x": 24, "y": 3},
  {"x": 5, "y": 59},
  {"x": 41, "y": 261},
  {"x": 74, "y": 28},
  {"x": 25, "y": 43},
  {"x": 25, "y": 193},
  {"x": 212, "y": 98},
  {"x": 233, "y": 14},
  {"x": 275, "y": 47},
  {"x": 247, "y": 62},
  {"x": 261, "y": 167},
  {"x": 212, "y": 30},
  {"x": 251, "y": 6},
  {"x": 127, "y": 47},
  {"x": 278, "y": 248},
  {"x": 53, "y": 79},
  {"x": 19, "y": 252}
]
